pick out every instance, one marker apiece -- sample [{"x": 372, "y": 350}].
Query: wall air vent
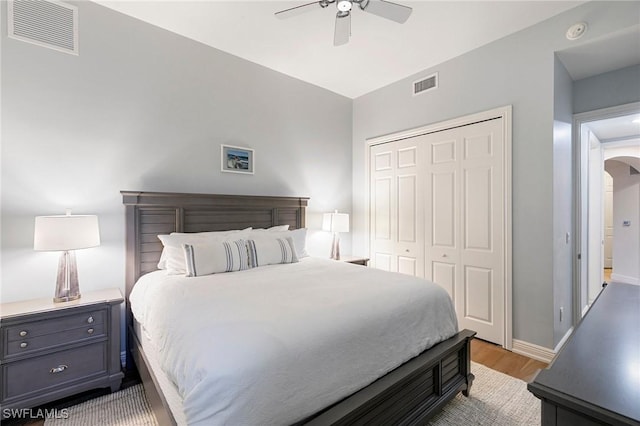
[
  {"x": 47, "y": 23},
  {"x": 425, "y": 84}
]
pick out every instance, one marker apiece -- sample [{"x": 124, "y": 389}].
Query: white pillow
[
  {"x": 215, "y": 257},
  {"x": 299, "y": 237},
  {"x": 271, "y": 251},
  {"x": 172, "y": 257},
  {"x": 212, "y": 233},
  {"x": 276, "y": 228}
]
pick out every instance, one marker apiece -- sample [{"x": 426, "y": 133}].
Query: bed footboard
[{"x": 410, "y": 394}]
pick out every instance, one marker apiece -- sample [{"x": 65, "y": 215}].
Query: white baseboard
[
  {"x": 624, "y": 279},
  {"x": 563, "y": 340},
  {"x": 533, "y": 351}
]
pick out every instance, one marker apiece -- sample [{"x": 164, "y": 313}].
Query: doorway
[
  {"x": 607, "y": 231},
  {"x": 604, "y": 139}
]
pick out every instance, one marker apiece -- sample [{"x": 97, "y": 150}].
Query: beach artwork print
[{"x": 237, "y": 160}]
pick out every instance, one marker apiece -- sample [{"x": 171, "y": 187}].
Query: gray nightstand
[
  {"x": 363, "y": 261},
  {"x": 53, "y": 350}
]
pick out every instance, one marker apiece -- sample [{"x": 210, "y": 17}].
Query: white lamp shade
[
  {"x": 335, "y": 222},
  {"x": 70, "y": 232}
]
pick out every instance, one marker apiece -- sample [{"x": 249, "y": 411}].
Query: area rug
[
  {"x": 496, "y": 400},
  {"x": 128, "y": 407}
]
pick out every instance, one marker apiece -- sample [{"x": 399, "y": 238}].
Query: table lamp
[
  {"x": 66, "y": 233},
  {"x": 335, "y": 222}
]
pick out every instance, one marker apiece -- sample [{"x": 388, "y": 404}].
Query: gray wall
[
  {"x": 562, "y": 201},
  {"x": 606, "y": 90},
  {"x": 517, "y": 70},
  {"x": 142, "y": 108}
]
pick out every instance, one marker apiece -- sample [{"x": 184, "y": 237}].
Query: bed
[{"x": 408, "y": 394}]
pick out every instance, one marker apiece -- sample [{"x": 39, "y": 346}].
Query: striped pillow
[
  {"x": 270, "y": 251},
  {"x": 215, "y": 257},
  {"x": 172, "y": 257}
]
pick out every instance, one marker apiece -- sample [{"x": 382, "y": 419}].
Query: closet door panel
[
  {"x": 443, "y": 209},
  {"x": 445, "y": 275},
  {"x": 409, "y": 247},
  {"x": 478, "y": 294},
  {"x": 407, "y": 265},
  {"x": 396, "y": 224},
  {"x": 407, "y": 209},
  {"x": 478, "y": 209},
  {"x": 482, "y": 246},
  {"x": 382, "y": 211},
  {"x": 382, "y": 205},
  {"x": 382, "y": 261},
  {"x": 464, "y": 223}
]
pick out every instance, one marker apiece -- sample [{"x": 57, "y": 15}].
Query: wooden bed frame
[{"x": 408, "y": 395}]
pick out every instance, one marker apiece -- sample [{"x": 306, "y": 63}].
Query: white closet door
[
  {"x": 397, "y": 221},
  {"x": 464, "y": 234}
]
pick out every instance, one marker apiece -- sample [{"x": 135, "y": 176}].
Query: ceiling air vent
[
  {"x": 425, "y": 84},
  {"x": 47, "y": 23}
]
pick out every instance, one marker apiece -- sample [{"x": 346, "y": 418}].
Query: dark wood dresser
[
  {"x": 595, "y": 378},
  {"x": 53, "y": 350}
]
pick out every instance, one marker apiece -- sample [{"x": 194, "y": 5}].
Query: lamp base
[
  {"x": 335, "y": 247},
  {"x": 67, "y": 287},
  {"x": 66, "y": 298}
]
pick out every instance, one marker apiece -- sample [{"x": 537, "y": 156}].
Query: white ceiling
[
  {"x": 615, "y": 51},
  {"x": 380, "y": 51},
  {"x": 616, "y": 129}
]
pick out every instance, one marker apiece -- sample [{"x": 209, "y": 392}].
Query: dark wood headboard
[{"x": 149, "y": 214}]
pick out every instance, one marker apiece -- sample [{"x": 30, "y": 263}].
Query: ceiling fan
[{"x": 384, "y": 9}]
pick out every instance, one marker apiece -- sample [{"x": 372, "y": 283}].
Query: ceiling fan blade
[
  {"x": 388, "y": 10},
  {"x": 295, "y": 11},
  {"x": 343, "y": 29}
]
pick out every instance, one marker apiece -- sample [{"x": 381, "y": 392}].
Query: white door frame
[
  {"x": 505, "y": 113},
  {"x": 580, "y": 254}
]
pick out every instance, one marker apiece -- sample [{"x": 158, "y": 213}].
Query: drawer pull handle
[
  {"x": 24, "y": 344},
  {"x": 90, "y": 320},
  {"x": 58, "y": 369},
  {"x": 23, "y": 333},
  {"x": 90, "y": 331}
]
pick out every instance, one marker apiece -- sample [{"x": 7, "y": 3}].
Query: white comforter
[{"x": 275, "y": 344}]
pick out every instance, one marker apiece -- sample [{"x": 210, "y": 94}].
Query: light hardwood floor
[{"x": 499, "y": 359}]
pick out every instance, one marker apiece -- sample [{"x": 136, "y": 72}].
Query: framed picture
[{"x": 236, "y": 159}]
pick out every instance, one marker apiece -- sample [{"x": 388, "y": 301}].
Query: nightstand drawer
[
  {"x": 27, "y": 330},
  {"x": 28, "y": 345},
  {"x": 37, "y": 374}
]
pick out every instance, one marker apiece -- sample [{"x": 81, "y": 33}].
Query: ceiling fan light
[{"x": 344, "y": 5}]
